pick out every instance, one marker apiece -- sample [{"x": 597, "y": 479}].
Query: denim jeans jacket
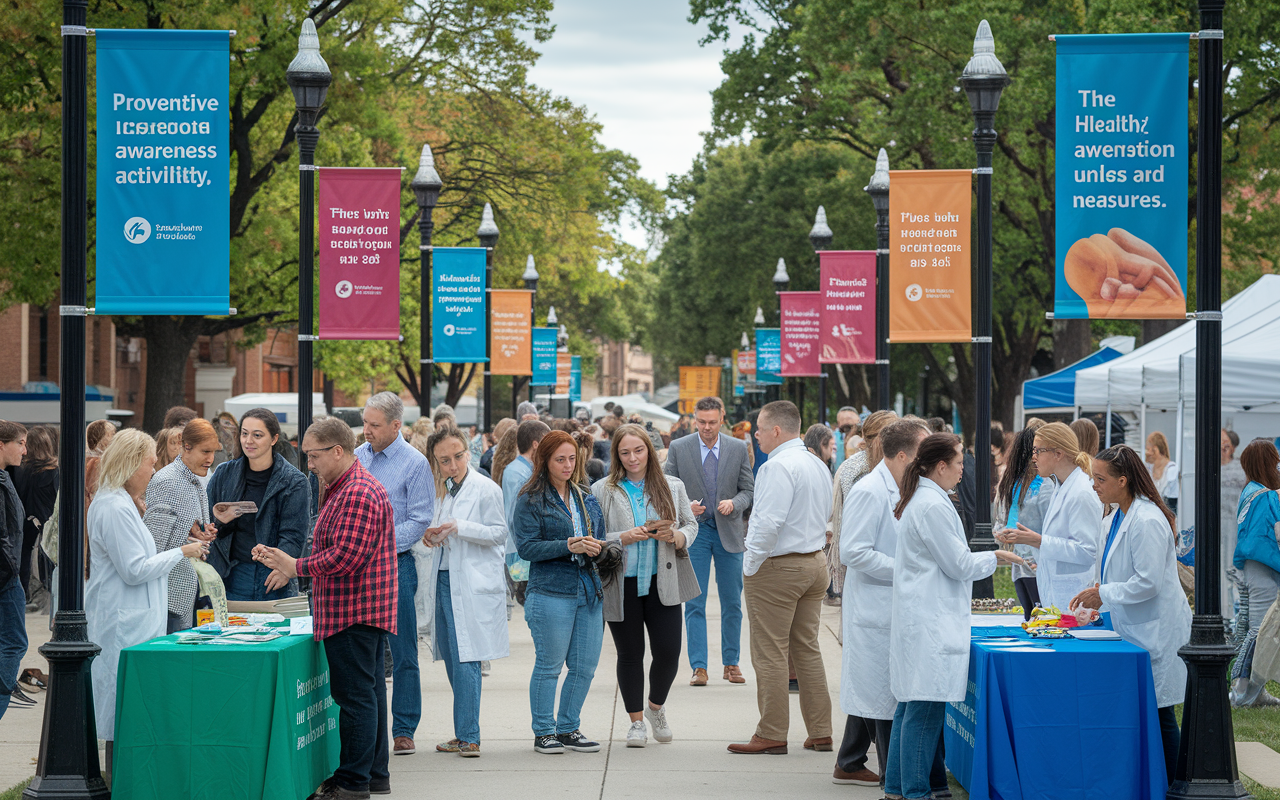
[{"x": 541, "y": 526}]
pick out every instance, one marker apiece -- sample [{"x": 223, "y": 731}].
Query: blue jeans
[
  {"x": 464, "y": 676},
  {"x": 247, "y": 582},
  {"x": 406, "y": 687},
  {"x": 13, "y": 637},
  {"x": 360, "y": 690},
  {"x": 915, "y": 750},
  {"x": 705, "y": 547},
  {"x": 567, "y": 631}
]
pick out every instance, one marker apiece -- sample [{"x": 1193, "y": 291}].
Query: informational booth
[{"x": 1056, "y": 392}]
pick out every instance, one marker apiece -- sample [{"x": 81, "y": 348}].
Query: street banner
[
  {"x": 929, "y": 268},
  {"x": 359, "y": 226},
  {"x": 544, "y": 357},
  {"x": 458, "y": 325},
  {"x": 564, "y": 369},
  {"x": 1121, "y": 172},
  {"x": 697, "y": 383},
  {"x": 747, "y": 364},
  {"x": 163, "y": 228},
  {"x": 512, "y": 319},
  {"x": 847, "y": 280},
  {"x": 801, "y": 331},
  {"x": 575, "y": 379},
  {"x": 769, "y": 356}
]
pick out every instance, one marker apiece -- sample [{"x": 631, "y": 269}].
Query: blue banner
[
  {"x": 1121, "y": 171},
  {"x": 769, "y": 355},
  {"x": 458, "y": 328},
  {"x": 544, "y": 357},
  {"x": 575, "y": 379},
  {"x": 163, "y": 166}
]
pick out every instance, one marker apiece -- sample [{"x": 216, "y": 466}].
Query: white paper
[
  {"x": 300, "y": 626},
  {"x": 263, "y": 619},
  {"x": 995, "y": 620},
  {"x": 1094, "y": 634}
]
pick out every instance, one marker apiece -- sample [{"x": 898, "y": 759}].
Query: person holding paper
[{"x": 1140, "y": 586}]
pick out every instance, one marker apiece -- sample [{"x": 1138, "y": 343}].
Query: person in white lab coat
[
  {"x": 1068, "y": 537},
  {"x": 867, "y": 542},
  {"x": 466, "y": 588},
  {"x": 1140, "y": 587},
  {"x": 933, "y": 575},
  {"x": 127, "y": 597}
]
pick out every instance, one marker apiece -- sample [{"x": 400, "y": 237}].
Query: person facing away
[
  {"x": 13, "y": 601},
  {"x": 716, "y": 472},
  {"x": 514, "y": 476},
  {"x": 1257, "y": 563}
]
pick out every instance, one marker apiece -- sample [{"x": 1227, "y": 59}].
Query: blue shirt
[
  {"x": 406, "y": 475},
  {"x": 514, "y": 477},
  {"x": 642, "y": 556}
]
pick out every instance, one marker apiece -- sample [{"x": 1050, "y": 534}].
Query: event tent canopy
[{"x": 1058, "y": 389}]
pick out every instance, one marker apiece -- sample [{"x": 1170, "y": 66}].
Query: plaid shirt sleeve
[{"x": 354, "y": 536}]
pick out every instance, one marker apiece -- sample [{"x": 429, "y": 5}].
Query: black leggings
[
  {"x": 665, "y": 625},
  {"x": 1028, "y": 595}
]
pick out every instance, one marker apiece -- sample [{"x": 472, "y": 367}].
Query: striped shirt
[{"x": 406, "y": 475}]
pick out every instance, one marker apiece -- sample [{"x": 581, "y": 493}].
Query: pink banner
[
  {"x": 359, "y": 226},
  {"x": 848, "y": 283},
  {"x": 801, "y": 329}
]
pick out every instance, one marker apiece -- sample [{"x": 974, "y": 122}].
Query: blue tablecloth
[{"x": 1072, "y": 721}]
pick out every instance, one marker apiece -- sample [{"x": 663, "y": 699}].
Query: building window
[
  {"x": 631, "y": 387},
  {"x": 278, "y": 379}
]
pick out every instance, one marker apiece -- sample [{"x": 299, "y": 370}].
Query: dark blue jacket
[
  {"x": 284, "y": 515},
  {"x": 541, "y": 526}
]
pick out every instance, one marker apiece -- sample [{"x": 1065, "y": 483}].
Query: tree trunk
[
  {"x": 1072, "y": 341},
  {"x": 169, "y": 343},
  {"x": 460, "y": 376},
  {"x": 1153, "y": 329}
]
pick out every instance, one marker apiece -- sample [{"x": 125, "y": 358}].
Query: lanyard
[{"x": 1111, "y": 538}]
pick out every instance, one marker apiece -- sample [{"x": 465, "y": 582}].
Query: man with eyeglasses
[{"x": 846, "y": 424}]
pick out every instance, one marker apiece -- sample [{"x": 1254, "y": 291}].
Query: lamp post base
[{"x": 983, "y": 542}]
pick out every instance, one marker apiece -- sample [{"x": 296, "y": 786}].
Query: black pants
[
  {"x": 357, "y": 684},
  {"x": 1028, "y": 595},
  {"x": 859, "y": 733},
  {"x": 1169, "y": 735},
  {"x": 664, "y": 624}
]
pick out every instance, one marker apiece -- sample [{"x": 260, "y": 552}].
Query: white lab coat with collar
[
  {"x": 126, "y": 600},
  {"x": 477, "y": 563},
  {"x": 1140, "y": 589},
  {"x": 868, "y": 538},
  {"x": 1071, "y": 544},
  {"x": 933, "y": 575}
]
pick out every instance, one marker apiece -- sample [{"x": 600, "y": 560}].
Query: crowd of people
[{"x": 433, "y": 530}]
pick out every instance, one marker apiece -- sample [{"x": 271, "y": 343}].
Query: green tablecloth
[{"x": 209, "y": 721}]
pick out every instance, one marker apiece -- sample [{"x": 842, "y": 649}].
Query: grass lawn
[{"x": 15, "y": 793}]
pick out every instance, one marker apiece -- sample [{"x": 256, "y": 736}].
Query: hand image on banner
[
  {"x": 929, "y": 268},
  {"x": 1121, "y": 171},
  {"x": 544, "y": 357},
  {"x": 564, "y": 366},
  {"x": 848, "y": 315},
  {"x": 458, "y": 325},
  {"x": 801, "y": 332},
  {"x": 511, "y": 319},
  {"x": 697, "y": 383},
  {"x": 163, "y": 227},
  {"x": 575, "y": 379},
  {"x": 359, "y": 227},
  {"x": 769, "y": 356}
]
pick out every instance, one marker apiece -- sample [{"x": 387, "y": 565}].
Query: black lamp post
[
  {"x": 426, "y": 185},
  {"x": 530, "y": 278},
  {"x": 1207, "y": 756},
  {"x": 983, "y": 79},
  {"x": 68, "y": 763},
  {"x": 781, "y": 280},
  {"x": 820, "y": 237},
  {"x": 488, "y": 235},
  {"x": 878, "y": 188},
  {"x": 309, "y": 79}
]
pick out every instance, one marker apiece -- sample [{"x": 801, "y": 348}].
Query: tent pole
[
  {"x": 1142, "y": 424},
  {"x": 1108, "y": 444}
]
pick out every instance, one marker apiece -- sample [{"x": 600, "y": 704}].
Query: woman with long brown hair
[
  {"x": 648, "y": 512},
  {"x": 1022, "y": 497},
  {"x": 37, "y": 484},
  {"x": 1164, "y": 470},
  {"x": 1257, "y": 561}
]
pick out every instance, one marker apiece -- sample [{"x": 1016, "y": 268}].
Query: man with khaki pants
[{"x": 785, "y": 580}]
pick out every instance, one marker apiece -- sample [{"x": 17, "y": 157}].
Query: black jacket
[
  {"x": 283, "y": 519},
  {"x": 11, "y": 517}
]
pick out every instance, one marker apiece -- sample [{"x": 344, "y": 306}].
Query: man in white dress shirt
[{"x": 785, "y": 580}]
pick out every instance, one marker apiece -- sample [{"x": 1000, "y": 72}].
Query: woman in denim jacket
[{"x": 559, "y": 530}]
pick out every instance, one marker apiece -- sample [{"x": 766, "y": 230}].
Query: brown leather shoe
[
  {"x": 699, "y": 677},
  {"x": 403, "y": 746},
  {"x": 732, "y": 674},
  {"x": 863, "y": 777},
  {"x": 758, "y": 746},
  {"x": 822, "y": 744}
]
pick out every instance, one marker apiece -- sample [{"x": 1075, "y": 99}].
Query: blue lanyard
[{"x": 1111, "y": 539}]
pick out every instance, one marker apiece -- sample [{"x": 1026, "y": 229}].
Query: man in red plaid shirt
[{"x": 352, "y": 567}]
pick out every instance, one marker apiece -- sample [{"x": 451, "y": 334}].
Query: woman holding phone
[
  {"x": 559, "y": 529},
  {"x": 648, "y": 512}
]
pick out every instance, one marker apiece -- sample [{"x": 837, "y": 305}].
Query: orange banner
[
  {"x": 697, "y": 383},
  {"x": 511, "y": 326},
  {"x": 564, "y": 371},
  {"x": 929, "y": 273}
]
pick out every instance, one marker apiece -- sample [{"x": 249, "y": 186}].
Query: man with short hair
[
  {"x": 786, "y": 579},
  {"x": 529, "y": 435},
  {"x": 846, "y": 421},
  {"x": 179, "y": 416},
  {"x": 717, "y": 474},
  {"x": 526, "y": 411},
  {"x": 406, "y": 476}
]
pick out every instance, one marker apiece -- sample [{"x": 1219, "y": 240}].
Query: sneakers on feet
[
  {"x": 637, "y": 734},
  {"x": 484, "y": 669},
  {"x": 547, "y": 745},
  {"x": 450, "y": 746},
  {"x": 658, "y": 719},
  {"x": 576, "y": 741},
  {"x": 469, "y": 749}
]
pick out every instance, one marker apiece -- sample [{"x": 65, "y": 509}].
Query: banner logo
[
  {"x": 914, "y": 293},
  {"x": 343, "y": 289},
  {"x": 449, "y": 330},
  {"x": 137, "y": 230}
]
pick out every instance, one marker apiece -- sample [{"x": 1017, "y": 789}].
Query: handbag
[{"x": 609, "y": 562}]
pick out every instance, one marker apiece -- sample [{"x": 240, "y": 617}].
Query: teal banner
[
  {"x": 544, "y": 357},
  {"x": 458, "y": 325},
  {"x": 575, "y": 379},
  {"x": 769, "y": 356}
]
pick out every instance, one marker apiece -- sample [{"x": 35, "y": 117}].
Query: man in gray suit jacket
[{"x": 717, "y": 474}]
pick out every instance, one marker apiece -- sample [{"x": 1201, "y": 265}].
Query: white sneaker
[
  {"x": 484, "y": 669},
  {"x": 658, "y": 719},
  {"x": 637, "y": 735}
]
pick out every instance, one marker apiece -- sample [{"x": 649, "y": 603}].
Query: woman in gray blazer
[{"x": 648, "y": 512}]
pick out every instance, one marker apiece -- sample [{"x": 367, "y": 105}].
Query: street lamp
[
  {"x": 426, "y": 185},
  {"x": 488, "y": 235},
  {"x": 745, "y": 344},
  {"x": 552, "y": 319},
  {"x": 780, "y": 282},
  {"x": 820, "y": 236},
  {"x": 759, "y": 320},
  {"x": 983, "y": 79},
  {"x": 878, "y": 188},
  {"x": 530, "y": 278},
  {"x": 309, "y": 78}
]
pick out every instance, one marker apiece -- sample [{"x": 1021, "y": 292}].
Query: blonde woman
[
  {"x": 1164, "y": 471},
  {"x": 168, "y": 445},
  {"x": 852, "y": 470}
]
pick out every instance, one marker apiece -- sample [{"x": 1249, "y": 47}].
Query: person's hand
[
  {"x": 636, "y": 534},
  {"x": 584, "y": 544},
  {"x": 205, "y": 533},
  {"x": 1020, "y": 535},
  {"x": 725, "y": 507},
  {"x": 670, "y": 535},
  {"x": 195, "y": 549},
  {"x": 276, "y": 559},
  {"x": 1089, "y": 598},
  {"x": 225, "y": 512},
  {"x": 434, "y": 537},
  {"x": 276, "y": 580},
  {"x": 697, "y": 508},
  {"x": 1006, "y": 557}
]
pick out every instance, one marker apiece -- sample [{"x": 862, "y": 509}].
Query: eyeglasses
[
  {"x": 1035, "y": 451},
  {"x": 310, "y": 453}
]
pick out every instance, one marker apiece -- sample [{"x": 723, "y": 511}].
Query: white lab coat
[
  {"x": 477, "y": 563},
  {"x": 126, "y": 600},
  {"x": 1071, "y": 544},
  {"x": 933, "y": 575},
  {"x": 1140, "y": 589},
  {"x": 868, "y": 538}
]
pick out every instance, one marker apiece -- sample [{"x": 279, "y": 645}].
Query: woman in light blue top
[
  {"x": 1023, "y": 497},
  {"x": 1257, "y": 561},
  {"x": 649, "y": 513}
]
